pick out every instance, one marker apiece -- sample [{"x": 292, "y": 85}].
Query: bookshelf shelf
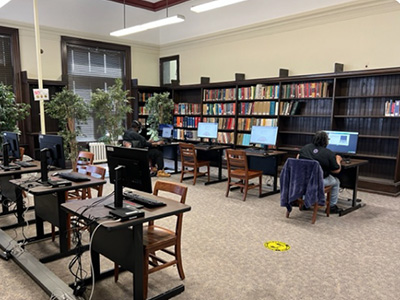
[{"x": 354, "y": 101}]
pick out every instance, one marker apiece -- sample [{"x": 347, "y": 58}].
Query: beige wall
[
  {"x": 144, "y": 57},
  {"x": 303, "y": 46}
]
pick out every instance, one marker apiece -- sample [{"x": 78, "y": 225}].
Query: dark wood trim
[
  {"x": 156, "y": 6},
  {"x": 65, "y": 40},
  {"x": 165, "y": 59}
]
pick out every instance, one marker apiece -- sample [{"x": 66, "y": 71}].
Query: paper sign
[{"x": 39, "y": 94}]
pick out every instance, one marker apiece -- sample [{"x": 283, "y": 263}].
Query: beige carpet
[{"x": 351, "y": 257}]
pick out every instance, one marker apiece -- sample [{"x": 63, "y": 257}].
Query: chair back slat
[{"x": 236, "y": 159}]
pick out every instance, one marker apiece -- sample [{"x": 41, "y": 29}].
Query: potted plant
[
  {"x": 70, "y": 110},
  {"x": 111, "y": 108},
  {"x": 160, "y": 108},
  {"x": 10, "y": 111}
]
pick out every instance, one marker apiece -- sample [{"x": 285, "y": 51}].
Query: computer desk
[
  {"x": 170, "y": 151},
  {"x": 268, "y": 164},
  {"x": 348, "y": 177},
  {"x": 119, "y": 242},
  {"x": 215, "y": 155},
  {"x": 9, "y": 191},
  {"x": 48, "y": 208}
]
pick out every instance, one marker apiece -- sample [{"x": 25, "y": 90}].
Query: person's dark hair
[
  {"x": 321, "y": 139},
  {"x": 136, "y": 124}
]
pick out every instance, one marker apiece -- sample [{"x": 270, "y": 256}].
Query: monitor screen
[
  {"x": 165, "y": 130},
  {"x": 207, "y": 130},
  {"x": 265, "y": 135},
  {"x": 342, "y": 141},
  {"x": 11, "y": 138},
  {"x": 135, "y": 163},
  {"x": 55, "y": 146}
]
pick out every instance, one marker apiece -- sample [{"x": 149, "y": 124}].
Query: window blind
[
  {"x": 6, "y": 66},
  {"x": 89, "y": 69}
]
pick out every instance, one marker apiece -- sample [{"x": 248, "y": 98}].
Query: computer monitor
[
  {"x": 51, "y": 153},
  {"x": 128, "y": 167},
  {"x": 165, "y": 131},
  {"x": 264, "y": 135},
  {"x": 10, "y": 146},
  {"x": 207, "y": 130},
  {"x": 342, "y": 141}
]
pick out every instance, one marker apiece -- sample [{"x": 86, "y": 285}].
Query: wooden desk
[
  {"x": 120, "y": 243},
  {"x": 268, "y": 164},
  {"x": 47, "y": 207},
  {"x": 348, "y": 177},
  {"x": 9, "y": 191},
  {"x": 215, "y": 155}
]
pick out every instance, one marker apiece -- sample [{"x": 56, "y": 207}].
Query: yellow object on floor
[{"x": 162, "y": 173}]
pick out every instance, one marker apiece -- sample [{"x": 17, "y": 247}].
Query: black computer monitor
[
  {"x": 165, "y": 131},
  {"x": 128, "y": 167},
  {"x": 207, "y": 130},
  {"x": 343, "y": 142},
  {"x": 10, "y": 147},
  {"x": 264, "y": 135},
  {"x": 51, "y": 153}
]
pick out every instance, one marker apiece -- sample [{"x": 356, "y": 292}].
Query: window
[
  {"x": 169, "y": 70},
  {"x": 10, "y": 64},
  {"x": 88, "y": 65}
]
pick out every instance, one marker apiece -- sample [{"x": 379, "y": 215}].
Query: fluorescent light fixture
[
  {"x": 213, "y": 5},
  {"x": 3, "y": 2},
  {"x": 398, "y": 1},
  {"x": 150, "y": 25}
]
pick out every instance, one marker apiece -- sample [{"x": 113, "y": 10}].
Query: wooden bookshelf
[
  {"x": 140, "y": 94},
  {"x": 347, "y": 101}
]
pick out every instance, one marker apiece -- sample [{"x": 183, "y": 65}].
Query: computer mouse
[
  {"x": 29, "y": 185},
  {"x": 55, "y": 174}
]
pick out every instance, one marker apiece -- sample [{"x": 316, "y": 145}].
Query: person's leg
[
  {"x": 335, "y": 183},
  {"x": 157, "y": 158}
]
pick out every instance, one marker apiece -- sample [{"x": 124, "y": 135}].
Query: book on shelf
[{"x": 392, "y": 108}]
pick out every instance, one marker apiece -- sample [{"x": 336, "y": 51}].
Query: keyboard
[
  {"x": 73, "y": 176},
  {"x": 25, "y": 164},
  {"x": 256, "y": 150},
  {"x": 145, "y": 201}
]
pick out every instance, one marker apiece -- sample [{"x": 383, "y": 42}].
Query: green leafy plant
[
  {"x": 160, "y": 108},
  {"x": 111, "y": 107},
  {"x": 10, "y": 111},
  {"x": 70, "y": 110}
]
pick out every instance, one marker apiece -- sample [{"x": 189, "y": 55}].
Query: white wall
[{"x": 303, "y": 46}]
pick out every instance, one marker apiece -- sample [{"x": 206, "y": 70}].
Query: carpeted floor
[{"x": 351, "y": 257}]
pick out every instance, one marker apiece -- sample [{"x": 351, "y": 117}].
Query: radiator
[{"x": 99, "y": 150}]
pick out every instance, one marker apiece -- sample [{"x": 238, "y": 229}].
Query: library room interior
[{"x": 199, "y": 149}]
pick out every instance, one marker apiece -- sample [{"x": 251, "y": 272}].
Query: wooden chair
[
  {"x": 84, "y": 158},
  {"x": 238, "y": 168},
  {"x": 189, "y": 160},
  {"x": 157, "y": 238},
  {"x": 299, "y": 177}
]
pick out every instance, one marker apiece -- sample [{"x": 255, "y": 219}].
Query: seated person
[
  {"x": 329, "y": 162},
  {"x": 132, "y": 138}
]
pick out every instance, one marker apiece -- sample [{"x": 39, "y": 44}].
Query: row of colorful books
[
  {"x": 290, "y": 108},
  {"x": 219, "y": 109},
  {"x": 258, "y": 91},
  {"x": 187, "y": 109},
  {"x": 247, "y": 123},
  {"x": 223, "y": 123},
  {"x": 186, "y": 121},
  {"x": 392, "y": 108},
  {"x": 143, "y": 110},
  {"x": 220, "y": 94},
  {"x": 258, "y": 108},
  {"x": 306, "y": 90},
  {"x": 185, "y": 134},
  {"x": 144, "y": 96},
  {"x": 225, "y": 137}
]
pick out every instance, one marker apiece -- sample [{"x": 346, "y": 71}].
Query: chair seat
[
  {"x": 158, "y": 237},
  {"x": 241, "y": 173},
  {"x": 200, "y": 163}
]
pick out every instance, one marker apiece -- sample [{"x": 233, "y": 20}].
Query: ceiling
[
  {"x": 97, "y": 18},
  {"x": 153, "y": 5}
]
